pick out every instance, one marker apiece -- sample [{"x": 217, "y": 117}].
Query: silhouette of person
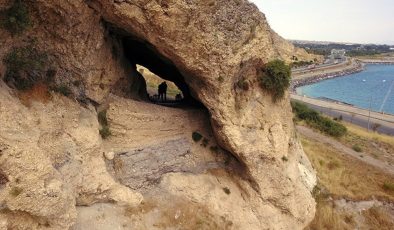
[{"x": 163, "y": 91}]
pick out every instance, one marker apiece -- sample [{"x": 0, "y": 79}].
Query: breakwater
[
  {"x": 378, "y": 62},
  {"x": 325, "y": 76}
]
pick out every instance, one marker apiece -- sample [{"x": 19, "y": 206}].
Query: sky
[{"x": 353, "y": 21}]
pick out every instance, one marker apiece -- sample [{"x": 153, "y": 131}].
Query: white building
[{"x": 338, "y": 54}]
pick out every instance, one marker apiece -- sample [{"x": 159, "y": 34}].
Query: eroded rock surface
[
  {"x": 52, "y": 154},
  {"x": 142, "y": 167}
]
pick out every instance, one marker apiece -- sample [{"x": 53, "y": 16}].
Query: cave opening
[{"x": 156, "y": 69}]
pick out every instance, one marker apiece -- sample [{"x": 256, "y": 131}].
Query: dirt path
[{"x": 309, "y": 133}]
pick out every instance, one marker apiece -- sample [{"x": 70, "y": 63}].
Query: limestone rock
[
  {"x": 52, "y": 153},
  {"x": 109, "y": 155}
]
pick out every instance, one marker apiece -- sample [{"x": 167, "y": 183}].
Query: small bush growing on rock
[
  {"x": 284, "y": 158},
  {"x": 196, "y": 136},
  {"x": 388, "y": 186},
  {"x": 357, "y": 148},
  {"x": 25, "y": 67},
  {"x": 226, "y": 190},
  {"x": 276, "y": 78},
  {"x": 16, "y": 18},
  {"x": 16, "y": 191},
  {"x": 102, "y": 118},
  {"x": 105, "y": 132}
]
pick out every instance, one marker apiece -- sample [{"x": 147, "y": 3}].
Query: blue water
[{"x": 371, "y": 86}]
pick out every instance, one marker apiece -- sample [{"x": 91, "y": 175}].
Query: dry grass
[
  {"x": 345, "y": 176},
  {"x": 327, "y": 217},
  {"x": 376, "y": 145},
  {"x": 38, "y": 92},
  {"x": 361, "y": 132},
  {"x": 377, "y": 218},
  {"x": 180, "y": 214}
]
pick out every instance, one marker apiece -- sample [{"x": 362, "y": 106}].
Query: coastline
[
  {"x": 359, "y": 67},
  {"x": 377, "y": 62},
  {"x": 325, "y": 76}
]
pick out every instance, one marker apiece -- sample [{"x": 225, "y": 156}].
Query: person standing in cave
[{"x": 163, "y": 91}]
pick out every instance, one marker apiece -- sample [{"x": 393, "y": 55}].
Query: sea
[{"x": 372, "y": 88}]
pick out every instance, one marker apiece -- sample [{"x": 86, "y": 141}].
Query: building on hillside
[{"x": 337, "y": 54}]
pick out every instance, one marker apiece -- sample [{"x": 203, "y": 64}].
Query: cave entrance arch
[
  {"x": 143, "y": 56},
  {"x": 173, "y": 94}
]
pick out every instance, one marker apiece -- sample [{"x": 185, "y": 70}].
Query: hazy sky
[{"x": 362, "y": 21}]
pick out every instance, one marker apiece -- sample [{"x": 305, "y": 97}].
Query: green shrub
[
  {"x": 25, "y": 67},
  {"x": 102, "y": 118},
  {"x": 276, "y": 78},
  {"x": 388, "y": 186},
  {"x": 357, "y": 148},
  {"x": 284, "y": 158},
  {"x": 328, "y": 126},
  {"x": 303, "y": 112},
  {"x": 226, "y": 190},
  {"x": 16, "y": 18},
  {"x": 315, "y": 120},
  {"x": 297, "y": 63},
  {"x": 105, "y": 132},
  {"x": 196, "y": 136}
]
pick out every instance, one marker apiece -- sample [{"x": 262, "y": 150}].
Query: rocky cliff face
[{"x": 52, "y": 154}]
